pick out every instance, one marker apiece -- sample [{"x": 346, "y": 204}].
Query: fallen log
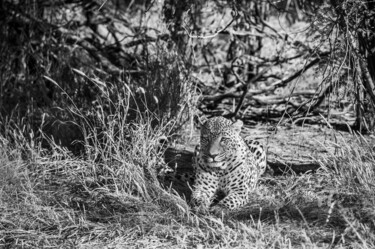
[{"x": 181, "y": 161}]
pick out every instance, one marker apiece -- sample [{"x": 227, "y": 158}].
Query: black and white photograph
[{"x": 187, "y": 124}]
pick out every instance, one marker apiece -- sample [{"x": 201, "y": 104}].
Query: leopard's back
[{"x": 257, "y": 151}]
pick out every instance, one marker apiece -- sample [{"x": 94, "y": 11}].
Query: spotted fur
[{"x": 225, "y": 161}]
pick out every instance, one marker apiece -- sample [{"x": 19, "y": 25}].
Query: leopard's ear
[
  {"x": 237, "y": 126},
  {"x": 200, "y": 121}
]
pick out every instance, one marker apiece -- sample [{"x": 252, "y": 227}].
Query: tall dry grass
[
  {"x": 51, "y": 197},
  {"x": 111, "y": 197}
]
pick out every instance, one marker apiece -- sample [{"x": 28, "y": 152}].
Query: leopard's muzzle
[{"x": 215, "y": 161}]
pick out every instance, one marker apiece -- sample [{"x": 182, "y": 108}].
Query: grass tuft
[{"x": 110, "y": 195}]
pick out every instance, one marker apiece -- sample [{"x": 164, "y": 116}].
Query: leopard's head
[{"x": 220, "y": 141}]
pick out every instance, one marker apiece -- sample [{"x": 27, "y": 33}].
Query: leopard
[{"x": 225, "y": 161}]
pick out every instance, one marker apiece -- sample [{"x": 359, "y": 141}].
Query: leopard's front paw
[
  {"x": 199, "y": 206},
  {"x": 201, "y": 209},
  {"x": 218, "y": 210}
]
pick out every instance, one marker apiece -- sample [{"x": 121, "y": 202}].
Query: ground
[{"x": 307, "y": 200}]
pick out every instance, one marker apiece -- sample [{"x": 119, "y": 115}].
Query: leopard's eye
[{"x": 224, "y": 140}]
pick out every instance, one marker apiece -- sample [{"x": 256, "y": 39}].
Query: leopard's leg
[
  {"x": 204, "y": 190},
  {"x": 235, "y": 198}
]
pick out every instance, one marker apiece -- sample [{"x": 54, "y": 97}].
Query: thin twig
[
  {"x": 246, "y": 86},
  {"x": 213, "y": 35}
]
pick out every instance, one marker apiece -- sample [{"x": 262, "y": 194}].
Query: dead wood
[
  {"x": 233, "y": 93},
  {"x": 181, "y": 161}
]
